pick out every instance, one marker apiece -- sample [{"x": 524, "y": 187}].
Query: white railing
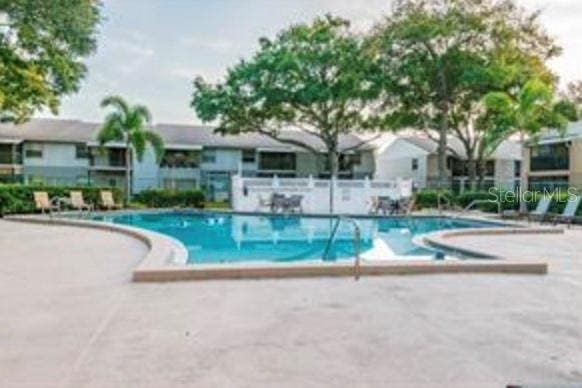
[{"x": 349, "y": 196}]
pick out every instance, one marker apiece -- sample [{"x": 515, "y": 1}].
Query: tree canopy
[
  {"x": 42, "y": 45},
  {"x": 127, "y": 124},
  {"x": 311, "y": 78},
  {"x": 441, "y": 58}
]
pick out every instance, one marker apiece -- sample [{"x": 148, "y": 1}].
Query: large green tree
[
  {"x": 42, "y": 47},
  {"x": 312, "y": 78},
  {"x": 441, "y": 57},
  {"x": 127, "y": 124}
]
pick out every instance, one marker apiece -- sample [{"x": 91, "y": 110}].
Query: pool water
[{"x": 212, "y": 238}]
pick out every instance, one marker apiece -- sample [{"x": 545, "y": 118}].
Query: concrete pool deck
[{"x": 71, "y": 317}]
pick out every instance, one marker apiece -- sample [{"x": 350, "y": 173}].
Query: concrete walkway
[{"x": 69, "y": 317}]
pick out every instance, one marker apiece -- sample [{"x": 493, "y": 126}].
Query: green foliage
[
  {"x": 312, "y": 77},
  {"x": 127, "y": 124},
  {"x": 19, "y": 198},
  {"x": 161, "y": 198},
  {"x": 428, "y": 199},
  {"x": 41, "y": 52},
  {"x": 527, "y": 110},
  {"x": 440, "y": 58}
]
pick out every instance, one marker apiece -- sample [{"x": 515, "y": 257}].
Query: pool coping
[{"x": 167, "y": 257}]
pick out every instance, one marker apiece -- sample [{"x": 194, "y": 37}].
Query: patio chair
[
  {"x": 108, "y": 202},
  {"x": 44, "y": 204},
  {"x": 294, "y": 204},
  {"x": 373, "y": 205},
  {"x": 569, "y": 214},
  {"x": 278, "y": 202},
  {"x": 541, "y": 212},
  {"x": 78, "y": 202},
  {"x": 263, "y": 203},
  {"x": 384, "y": 205}
]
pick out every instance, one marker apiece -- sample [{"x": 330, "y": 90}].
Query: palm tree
[
  {"x": 127, "y": 124},
  {"x": 528, "y": 112}
]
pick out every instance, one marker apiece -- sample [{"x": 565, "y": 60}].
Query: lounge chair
[
  {"x": 408, "y": 206},
  {"x": 569, "y": 213},
  {"x": 108, "y": 202},
  {"x": 78, "y": 202},
  {"x": 44, "y": 204},
  {"x": 541, "y": 212}
]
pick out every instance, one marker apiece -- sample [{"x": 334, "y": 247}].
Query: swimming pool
[{"x": 213, "y": 238}]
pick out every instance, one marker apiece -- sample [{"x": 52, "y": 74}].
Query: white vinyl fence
[{"x": 349, "y": 196}]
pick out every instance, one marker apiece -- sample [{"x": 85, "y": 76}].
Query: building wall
[
  {"x": 55, "y": 175},
  {"x": 367, "y": 165},
  {"x": 396, "y": 161},
  {"x": 576, "y": 163},
  {"x": 54, "y": 155},
  {"x": 505, "y": 174}
]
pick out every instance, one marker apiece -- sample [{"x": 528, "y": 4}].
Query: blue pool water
[{"x": 231, "y": 238}]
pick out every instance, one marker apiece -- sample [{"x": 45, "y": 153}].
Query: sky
[{"x": 149, "y": 51}]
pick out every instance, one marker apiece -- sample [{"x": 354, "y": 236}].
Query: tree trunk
[
  {"x": 333, "y": 160},
  {"x": 522, "y": 177},
  {"x": 128, "y": 183},
  {"x": 443, "y": 128},
  {"x": 442, "y": 147},
  {"x": 472, "y": 173}
]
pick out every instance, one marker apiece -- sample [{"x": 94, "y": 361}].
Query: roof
[
  {"x": 50, "y": 130},
  {"x": 174, "y": 135},
  {"x": 509, "y": 149},
  {"x": 178, "y": 135},
  {"x": 574, "y": 131}
]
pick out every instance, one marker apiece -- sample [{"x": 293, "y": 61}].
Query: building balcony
[
  {"x": 549, "y": 163},
  {"x": 10, "y": 158}
]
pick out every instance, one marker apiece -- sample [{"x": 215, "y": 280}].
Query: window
[
  {"x": 116, "y": 157},
  {"x": 209, "y": 156},
  {"x": 181, "y": 159},
  {"x": 249, "y": 156},
  {"x": 517, "y": 168},
  {"x": 548, "y": 183},
  {"x": 81, "y": 151},
  {"x": 490, "y": 168},
  {"x": 550, "y": 157},
  {"x": 348, "y": 161},
  {"x": 277, "y": 161},
  {"x": 179, "y": 184},
  {"x": 414, "y": 164},
  {"x": 34, "y": 150}
]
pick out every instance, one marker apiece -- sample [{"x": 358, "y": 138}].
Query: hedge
[
  {"x": 19, "y": 199},
  {"x": 160, "y": 198},
  {"x": 429, "y": 199}
]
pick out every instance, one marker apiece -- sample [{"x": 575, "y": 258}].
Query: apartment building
[
  {"x": 415, "y": 156},
  {"x": 66, "y": 152},
  {"x": 555, "y": 159}
]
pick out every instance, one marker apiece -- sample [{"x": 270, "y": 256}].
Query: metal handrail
[
  {"x": 477, "y": 202},
  {"x": 356, "y": 241},
  {"x": 441, "y": 196}
]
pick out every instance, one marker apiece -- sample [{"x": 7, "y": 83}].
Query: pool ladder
[{"x": 356, "y": 241}]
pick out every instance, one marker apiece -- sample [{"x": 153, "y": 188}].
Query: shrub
[
  {"x": 427, "y": 199},
  {"x": 19, "y": 199},
  {"x": 159, "y": 198}
]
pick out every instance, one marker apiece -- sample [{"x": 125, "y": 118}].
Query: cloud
[
  {"x": 128, "y": 53},
  {"x": 215, "y": 44},
  {"x": 188, "y": 73}
]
